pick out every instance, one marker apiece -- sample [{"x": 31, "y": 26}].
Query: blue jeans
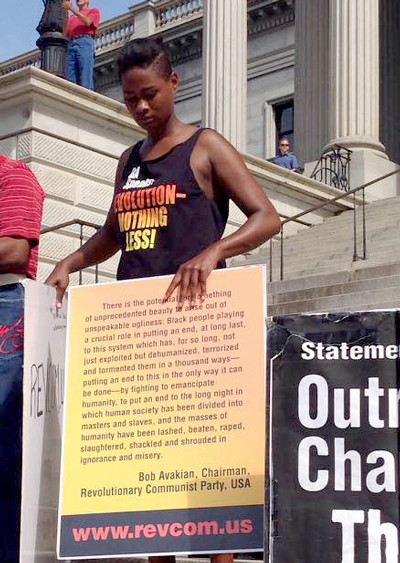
[
  {"x": 11, "y": 362},
  {"x": 80, "y": 61}
]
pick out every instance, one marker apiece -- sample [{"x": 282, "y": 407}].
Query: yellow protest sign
[{"x": 165, "y": 419}]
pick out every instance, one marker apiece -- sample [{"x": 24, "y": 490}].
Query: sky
[{"x": 18, "y": 22}]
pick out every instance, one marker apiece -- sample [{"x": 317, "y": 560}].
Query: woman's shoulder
[
  {"x": 211, "y": 139},
  {"x": 130, "y": 151}
]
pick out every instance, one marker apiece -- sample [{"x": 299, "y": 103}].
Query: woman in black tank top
[
  {"x": 162, "y": 217},
  {"x": 170, "y": 204}
]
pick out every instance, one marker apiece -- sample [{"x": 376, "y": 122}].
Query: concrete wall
[{"x": 72, "y": 139}]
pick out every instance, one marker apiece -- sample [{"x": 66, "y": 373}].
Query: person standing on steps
[
  {"x": 21, "y": 203},
  {"x": 80, "y": 29},
  {"x": 171, "y": 197}
]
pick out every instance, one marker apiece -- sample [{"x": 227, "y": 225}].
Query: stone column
[
  {"x": 354, "y": 93},
  {"x": 225, "y": 69},
  {"x": 311, "y": 92},
  {"x": 390, "y": 77},
  {"x": 354, "y": 74}
]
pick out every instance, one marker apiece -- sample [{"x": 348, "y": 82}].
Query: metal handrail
[
  {"x": 295, "y": 218},
  {"x": 276, "y": 238},
  {"x": 305, "y": 223},
  {"x": 68, "y": 224},
  {"x": 81, "y": 224},
  {"x": 333, "y": 168},
  {"x": 341, "y": 196}
]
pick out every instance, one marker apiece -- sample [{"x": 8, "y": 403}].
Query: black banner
[{"x": 334, "y": 430}]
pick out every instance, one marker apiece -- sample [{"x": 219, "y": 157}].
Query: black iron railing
[
  {"x": 358, "y": 254},
  {"x": 278, "y": 238},
  {"x": 82, "y": 224},
  {"x": 333, "y": 168}
]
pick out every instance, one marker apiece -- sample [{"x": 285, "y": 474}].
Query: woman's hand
[
  {"x": 191, "y": 277},
  {"x": 59, "y": 278}
]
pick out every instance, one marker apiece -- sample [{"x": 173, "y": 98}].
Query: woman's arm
[
  {"x": 229, "y": 174},
  {"x": 97, "y": 249},
  {"x": 100, "y": 247}
]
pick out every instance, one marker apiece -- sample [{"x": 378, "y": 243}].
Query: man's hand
[
  {"x": 59, "y": 278},
  {"x": 68, "y": 6},
  {"x": 191, "y": 278}
]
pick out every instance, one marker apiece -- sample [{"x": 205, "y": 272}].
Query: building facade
[{"x": 323, "y": 72}]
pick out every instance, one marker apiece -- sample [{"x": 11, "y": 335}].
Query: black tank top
[{"x": 163, "y": 217}]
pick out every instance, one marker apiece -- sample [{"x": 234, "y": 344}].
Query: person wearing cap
[{"x": 80, "y": 28}]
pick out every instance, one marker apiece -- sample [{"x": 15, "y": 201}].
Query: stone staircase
[{"x": 319, "y": 272}]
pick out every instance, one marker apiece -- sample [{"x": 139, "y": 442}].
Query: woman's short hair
[{"x": 143, "y": 53}]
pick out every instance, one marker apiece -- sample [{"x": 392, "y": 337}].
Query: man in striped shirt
[{"x": 21, "y": 203}]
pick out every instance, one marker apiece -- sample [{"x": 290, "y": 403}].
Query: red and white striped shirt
[{"x": 21, "y": 205}]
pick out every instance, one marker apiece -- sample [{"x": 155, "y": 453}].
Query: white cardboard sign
[{"x": 43, "y": 388}]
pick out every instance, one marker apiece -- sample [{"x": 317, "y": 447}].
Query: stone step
[
  {"x": 314, "y": 281},
  {"x": 307, "y": 247},
  {"x": 361, "y": 286},
  {"x": 305, "y": 263},
  {"x": 336, "y": 237},
  {"x": 345, "y": 302},
  {"x": 376, "y": 306},
  {"x": 311, "y": 255},
  {"x": 343, "y": 225},
  {"x": 341, "y": 237},
  {"x": 291, "y": 271},
  {"x": 305, "y": 273},
  {"x": 339, "y": 234},
  {"x": 373, "y": 208},
  {"x": 383, "y": 202},
  {"x": 319, "y": 271},
  {"x": 371, "y": 215}
]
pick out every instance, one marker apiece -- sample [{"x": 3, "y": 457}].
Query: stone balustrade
[
  {"x": 168, "y": 12},
  {"x": 32, "y": 58},
  {"x": 114, "y": 33}
]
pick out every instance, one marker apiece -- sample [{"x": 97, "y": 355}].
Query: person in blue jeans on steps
[
  {"x": 80, "y": 28},
  {"x": 21, "y": 204}
]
